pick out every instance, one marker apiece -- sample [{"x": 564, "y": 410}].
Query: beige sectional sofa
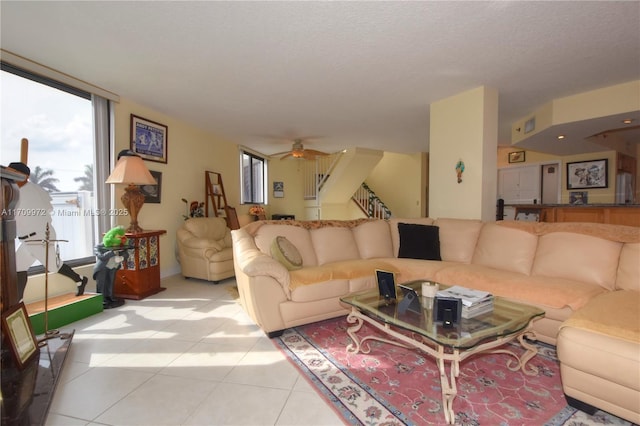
[{"x": 575, "y": 272}]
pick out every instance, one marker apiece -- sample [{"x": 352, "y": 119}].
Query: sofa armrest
[
  {"x": 253, "y": 262},
  {"x": 201, "y": 243}
]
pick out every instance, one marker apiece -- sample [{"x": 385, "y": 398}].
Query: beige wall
[
  {"x": 464, "y": 127},
  {"x": 606, "y": 101},
  {"x": 289, "y": 172},
  {"x": 191, "y": 151},
  {"x": 399, "y": 182}
]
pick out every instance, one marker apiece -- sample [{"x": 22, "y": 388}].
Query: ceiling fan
[{"x": 298, "y": 151}]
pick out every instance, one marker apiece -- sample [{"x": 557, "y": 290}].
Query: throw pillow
[
  {"x": 419, "y": 241},
  {"x": 286, "y": 253}
]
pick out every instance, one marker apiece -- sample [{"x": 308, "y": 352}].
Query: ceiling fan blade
[
  {"x": 285, "y": 156},
  {"x": 280, "y": 153},
  {"x": 314, "y": 152}
]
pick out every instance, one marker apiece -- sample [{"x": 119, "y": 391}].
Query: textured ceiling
[{"x": 355, "y": 73}]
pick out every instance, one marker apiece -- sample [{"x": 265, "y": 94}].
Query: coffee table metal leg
[
  {"x": 520, "y": 362},
  {"x": 448, "y": 385},
  {"x": 355, "y": 317}
]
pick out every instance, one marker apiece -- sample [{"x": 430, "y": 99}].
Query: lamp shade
[{"x": 131, "y": 170}]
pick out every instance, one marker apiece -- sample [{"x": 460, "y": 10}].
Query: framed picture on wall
[
  {"x": 152, "y": 193},
  {"x": 587, "y": 174},
  {"x": 149, "y": 139},
  {"x": 278, "y": 189},
  {"x": 517, "y": 157}
]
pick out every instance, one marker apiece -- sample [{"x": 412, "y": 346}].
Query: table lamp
[{"x": 130, "y": 170}]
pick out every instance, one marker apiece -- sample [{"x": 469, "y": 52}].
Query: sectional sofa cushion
[
  {"x": 419, "y": 241},
  {"x": 373, "y": 239},
  {"x": 614, "y": 313},
  {"x": 539, "y": 290},
  {"x": 628, "y": 277},
  {"x": 342, "y": 270},
  {"x": 577, "y": 257},
  {"x": 332, "y": 244},
  {"x": 505, "y": 248},
  {"x": 458, "y": 238}
]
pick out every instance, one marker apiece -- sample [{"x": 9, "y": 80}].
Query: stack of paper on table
[{"x": 474, "y": 302}]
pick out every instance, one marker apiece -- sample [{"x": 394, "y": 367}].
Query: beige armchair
[{"x": 204, "y": 249}]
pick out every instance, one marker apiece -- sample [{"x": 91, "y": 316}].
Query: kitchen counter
[
  {"x": 620, "y": 214},
  {"x": 607, "y": 205}
]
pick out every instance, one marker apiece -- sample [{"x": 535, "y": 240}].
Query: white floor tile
[
  {"x": 189, "y": 355},
  {"x": 264, "y": 366},
  {"x": 150, "y": 355},
  {"x": 58, "y": 420},
  {"x": 234, "y": 404},
  {"x": 204, "y": 361},
  {"x": 163, "y": 400},
  {"x": 305, "y": 408},
  {"x": 90, "y": 394}
]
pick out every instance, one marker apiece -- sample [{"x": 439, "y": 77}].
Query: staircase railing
[
  {"x": 316, "y": 174},
  {"x": 370, "y": 204}
]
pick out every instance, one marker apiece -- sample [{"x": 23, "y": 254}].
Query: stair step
[{"x": 63, "y": 310}]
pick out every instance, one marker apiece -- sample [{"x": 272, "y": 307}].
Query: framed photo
[
  {"x": 447, "y": 310},
  {"x": 19, "y": 334},
  {"x": 578, "y": 197},
  {"x": 386, "y": 284},
  {"x": 152, "y": 193},
  {"x": 149, "y": 139},
  {"x": 587, "y": 174},
  {"x": 516, "y": 157},
  {"x": 278, "y": 189}
]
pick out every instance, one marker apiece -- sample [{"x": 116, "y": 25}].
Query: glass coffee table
[{"x": 448, "y": 345}]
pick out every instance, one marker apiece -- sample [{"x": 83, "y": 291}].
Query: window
[
  {"x": 58, "y": 121},
  {"x": 253, "y": 178}
]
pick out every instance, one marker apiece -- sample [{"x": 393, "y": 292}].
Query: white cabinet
[{"x": 519, "y": 185}]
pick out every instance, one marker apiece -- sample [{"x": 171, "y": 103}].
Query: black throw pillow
[{"x": 419, "y": 241}]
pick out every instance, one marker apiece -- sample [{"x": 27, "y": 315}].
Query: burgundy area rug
[{"x": 397, "y": 386}]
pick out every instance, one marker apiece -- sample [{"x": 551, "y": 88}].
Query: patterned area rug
[{"x": 396, "y": 386}]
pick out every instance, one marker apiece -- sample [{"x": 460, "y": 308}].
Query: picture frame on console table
[
  {"x": 149, "y": 139},
  {"x": 18, "y": 333},
  {"x": 588, "y": 174}
]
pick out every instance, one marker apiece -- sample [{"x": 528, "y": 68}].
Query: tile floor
[{"x": 186, "y": 356}]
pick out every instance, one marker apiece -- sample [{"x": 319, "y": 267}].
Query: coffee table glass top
[{"x": 506, "y": 318}]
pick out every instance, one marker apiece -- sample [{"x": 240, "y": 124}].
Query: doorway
[{"x": 550, "y": 185}]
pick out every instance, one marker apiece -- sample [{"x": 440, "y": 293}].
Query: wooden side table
[{"x": 140, "y": 274}]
